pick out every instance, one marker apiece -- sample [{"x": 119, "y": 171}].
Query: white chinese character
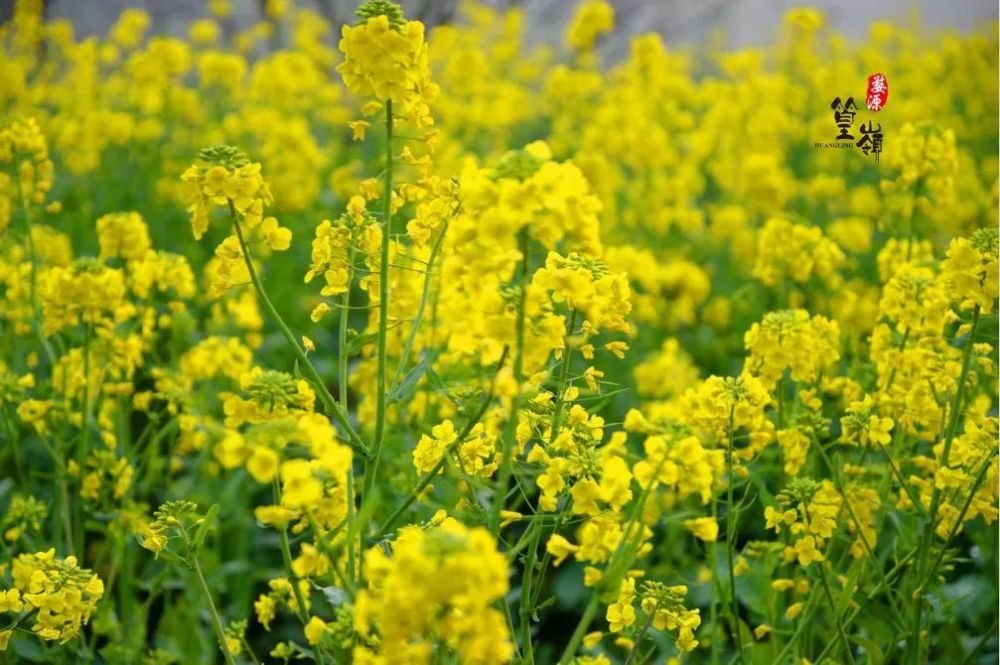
[
  {"x": 878, "y": 83},
  {"x": 874, "y": 103}
]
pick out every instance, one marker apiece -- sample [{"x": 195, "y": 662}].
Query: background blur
[{"x": 735, "y": 23}]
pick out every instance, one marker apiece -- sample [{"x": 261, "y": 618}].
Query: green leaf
[
  {"x": 435, "y": 381},
  {"x": 408, "y": 385},
  {"x": 844, "y": 599},
  {"x": 335, "y": 596},
  {"x": 170, "y": 557},
  {"x": 875, "y": 655},
  {"x": 199, "y": 536},
  {"x": 541, "y": 606},
  {"x": 358, "y": 342},
  {"x": 767, "y": 499}
]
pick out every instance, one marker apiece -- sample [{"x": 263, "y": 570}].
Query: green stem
[
  {"x": 383, "y": 309},
  {"x": 286, "y": 557},
  {"x": 563, "y": 379},
  {"x": 833, "y": 611},
  {"x": 581, "y": 629},
  {"x": 216, "y": 621},
  {"x": 876, "y": 565},
  {"x": 641, "y": 635},
  {"x": 902, "y": 481},
  {"x": 958, "y": 522},
  {"x": 36, "y": 319},
  {"x": 879, "y": 588},
  {"x": 84, "y": 447},
  {"x": 713, "y": 605},
  {"x": 523, "y": 541},
  {"x": 418, "y": 319},
  {"x": 336, "y": 411},
  {"x": 731, "y": 539},
  {"x": 510, "y": 431},
  {"x": 916, "y": 642},
  {"x": 618, "y": 562},
  {"x": 525, "y": 611},
  {"x": 547, "y": 558},
  {"x": 390, "y": 523},
  {"x": 344, "y": 390},
  {"x": 15, "y": 445}
]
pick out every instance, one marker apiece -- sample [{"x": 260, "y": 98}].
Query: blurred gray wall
[{"x": 681, "y": 22}]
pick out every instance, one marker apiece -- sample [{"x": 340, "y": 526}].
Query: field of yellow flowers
[{"x": 425, "y": 346}]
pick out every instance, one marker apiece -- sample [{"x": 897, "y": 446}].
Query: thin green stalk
[
  {"x": 36, "y": 319},
  {"x": 563, "y": 379},
  {"x": 713, "y": 605},
  {"x": 731, "y": 539},
  {"x": 876, "y": 565},
  {"x": 344, "y": 389},
  {"x": 390, "y": 523},
  {"x": 833, "y": 606},
  {"x": 987, "y": 636},
  {"x": 980, "y": 477},
  {"x": 216, "y": 621},
  {"x": 804, "y": 619},
  {"x": 253, "y": 656},
  {"x": 64, "y": 509},
  {"x": 833, "y": 611},
  {"x": 510, "y": 431},
  {"x": 418, "y": 319},
  {"x": 523, "y": 541},
  {"x": 526, "y": 608},
  {"x": 337, "y": 411},
  {"x": 617, "y": 565},
  {"x": 902, "y": 481},
  {"x": 383, "y": 309},
  {"x": 916, "y": 642},
  {"x": 15, "y": 446},
  {"x": 286, "y": 557},
  {"x": 911, "y": 227},
  {"x": 525, "y": 611},
  {"x": 84, "y": 446},
  {"x": 547, "y": 558},
  {"x": 581, "y": 629},
  {"x": 641, "y": 635},
  {"x": 854, "y": 613}
]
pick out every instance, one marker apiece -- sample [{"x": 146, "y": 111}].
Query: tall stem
[
  {"x": 916, "y": 643},
  {"x": 344, "y": 389},
  {"x": 383, "y": 309},
  {"x": 731, "y": 541},
  {"x": 286, "y": 558},
  {"x": 430, "y": 475},
  {"x": 214, "y": 613},
  {"x": 563, "y": 379},
  {"x": 36, "y": 319},
  {"x": 421, "y": 308},
  {"x": 619, "y": 561},
  {"x": 84, "y": 445},
  {"x": 833, "y": 613},
  {"x": 336, "y": 411},
  {"x": 510, "y": 431},
  {"x": 958, "y": 521},
  {"x": 581, "y": 628}
]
